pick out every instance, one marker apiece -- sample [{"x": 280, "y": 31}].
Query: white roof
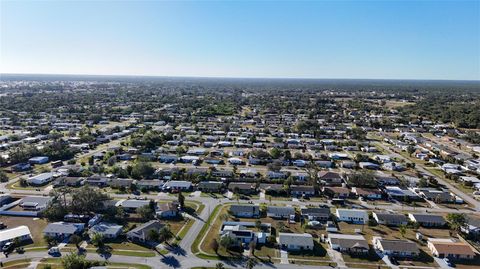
[{"x": 9, "y": 234}]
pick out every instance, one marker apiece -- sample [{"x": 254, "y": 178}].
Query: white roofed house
[
  {"x": 40, "y": 179},
  {"x": 63, "y": 229},
  {"x": 20, "y": 232},
  {"x": 355, "y": 216},
  {"x": 295, "y": 242}
]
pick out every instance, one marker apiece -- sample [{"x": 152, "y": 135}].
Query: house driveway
[{"x": 283, "y": 257}]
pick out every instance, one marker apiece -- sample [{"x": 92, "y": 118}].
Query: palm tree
[
  {"x": 250, "y": 263},
  {"x": 219, "y": 265},
  {"x": 98, "y": 240},
  {"x": 165, "y": 233}
]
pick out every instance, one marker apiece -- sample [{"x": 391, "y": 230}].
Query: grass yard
[
  {"x": 36, "y": 226},
  {"x": 55, "y": 263}
]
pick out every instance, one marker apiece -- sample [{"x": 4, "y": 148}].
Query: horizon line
[{"x": 230, "y": 77}]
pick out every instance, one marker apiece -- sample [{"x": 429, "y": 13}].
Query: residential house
[
  {"x": 210, "y": 186},
  {"x": 427, "y": 220},
  {"x": 131, "y": 205},
  {"x": 390, "y": 219},
  {"x": 355, "y": 216},
  {"x": 302, "y": 190},
  {"x": 242, "y": 187},
  {"x": 295, "y": 242},
  {"x": 330, "y": 178},
  {"x": 178, "y": 185},
  {"x": 35, "y": 203},
  {"x": 280, "y": 212},
  {"x": 21, "y": 233},
  {"x": 245, "y": 211},
  {"x": 141, "y": 233},
  {"x": 63, "y": 229},
  {"x": 321, "y": 214},
  {"x": 167, "y": 210},
  {"x": 40, "y": 179},
  {"x": 154, "y": 184},
  {"x": 106, "y": 229},
  {"x": 346, "y": 243},
  {"x": 336, "y": 192},
  {"x": 396, "y": 248},
  {"x": 369, "y": 194},
  {"x": 445, "y": 248}
]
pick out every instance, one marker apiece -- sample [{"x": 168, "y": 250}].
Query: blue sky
[{"x": 323, "y": 39}]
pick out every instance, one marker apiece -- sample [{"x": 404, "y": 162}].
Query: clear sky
[{"x": 323, "y": 39}]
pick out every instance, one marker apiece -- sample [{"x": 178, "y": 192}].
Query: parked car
[
  {"x": 7, "y": 247},
  {"x": 54, "y": 251},
  {"x": 2, "y": 226},
  {"x": 448, "y": 262},
  {"x": 393, "y": 260}
]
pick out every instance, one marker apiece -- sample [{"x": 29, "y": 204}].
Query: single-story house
[
  {"x": 427, "y": 220},
  {"x": 35, "y": 203},
  {"x": 353, "y": 244},
  {"x": 178, "y": 185},
  {"x": 302, "y": 190},
  {"x": 131, "y": 205},
  {"x": 167, "y": 210},
  {"x": 20, "y": 232},
  {"x": 390, "y": 219},
  {"x": 63, "y": 229},
  {"x": 210, "y": 186},
  {"x": 295, "y": 242},
  {"x": 141, "y": 233},
  {"x": 106, "y": 229},
  {"x": 154, "y": 184},
  {"x": 355, "y": 216},
  {"x": 451, "y": 250},
  {"x": 396, "y": 248},
  {"x": 336, "y": 192},
  {"x": 245, "y": 211},
  {"x": 271, "y": 188},
  {"x": 370, "y": 194},
  {"x": 330, "y": 178},
  {"x": 242, "y": 187},
  {"x": 316, "y": 213},
  {"x": 38, "y": 160},
  {"x": 280, "y": 212},
  {"x": 40, "y": 179}
]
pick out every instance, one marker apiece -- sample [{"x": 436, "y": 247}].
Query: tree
[
  {"x": 281, "y": 226},
  {"x": 403, "y": 230},
  {"x": 86, "y": 199},
  {"x": 3, "y": 176},
  {"x": 362, "y": 179},
  {"x": 214, "y": 245},
  {"x": 75, "y": 261},
  {"x": 181, "y": 199},
  {"x": 457, "y": 221},
  {"x": 165, "y": 233},
  {"x": 226, "y": 242},
  {"x": 51, "y": 241},
  {"x": 146, "y": 212},
  {"x": 219, "y": 265},
  {"x": 98, "y": 240},
  {"x": 142, "y": 170},
  {"x": 250, "y": 263},
  {"x": 153, "y": 235},
  {"x": 75, "y": 239}
]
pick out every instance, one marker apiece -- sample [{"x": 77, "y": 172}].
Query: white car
[{"x": 54, "y": 251}]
